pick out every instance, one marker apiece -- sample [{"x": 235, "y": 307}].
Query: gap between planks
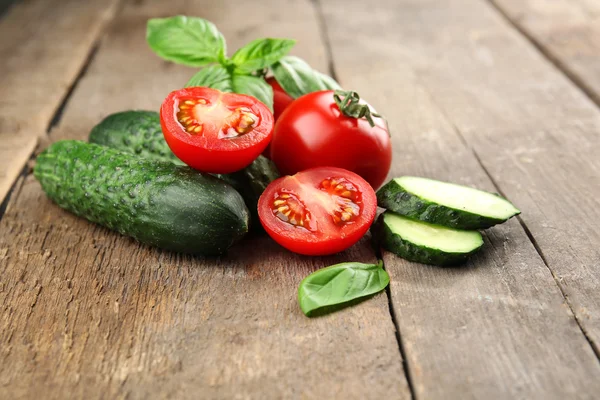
[
  {"x": 57, "y": 114},
  {"x": 577, "y": 81},
  {"x": 527, "y": 231},
  {"x": 324, "y": 33},
  {"x": 589, "y": 93}
]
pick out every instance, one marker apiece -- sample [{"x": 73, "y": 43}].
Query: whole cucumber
[
  {"x": 157, "y": 203},
  {"x": 135, "y": 131}
]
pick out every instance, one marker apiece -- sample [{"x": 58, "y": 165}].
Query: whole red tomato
[
  {"x": 336, "y": 130},
  {"x": 280, "y": 98},
  {"x": 280, "y": 102}
]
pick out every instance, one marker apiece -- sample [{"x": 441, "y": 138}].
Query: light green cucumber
[
  {"x": 446, "y": 204},
  {"x": 423, "y": 242}
]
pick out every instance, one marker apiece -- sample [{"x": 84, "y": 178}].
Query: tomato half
[
  {"x": 213, "y": 131},
  {"x": 312, "y": 132},
  {"x": 318, "y": 211}
]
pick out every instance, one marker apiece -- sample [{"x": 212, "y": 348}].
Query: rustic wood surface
[
  {"x": 87, "y": 313},
  {"x": 470, "y": 332},
  {"x": 535, "y": 133},
  {"x": 567, "y": 31},
  {"x": 94, "y": 314},
  {"x": 43, "y": 46}
]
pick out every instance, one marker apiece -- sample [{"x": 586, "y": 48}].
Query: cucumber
[
  {"x": 157, "y": 203},
  {"x": 446, "y": 204},
  {"x": 423, "y": 242},
  {"x": 140, "y": 132}
]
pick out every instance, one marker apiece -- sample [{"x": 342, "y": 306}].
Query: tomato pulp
[
  {"x": 313, "y": 131},
  {"x": 213, "y": 131},
  {"x": 319, "y": 211}
]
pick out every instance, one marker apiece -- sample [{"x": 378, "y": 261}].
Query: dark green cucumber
[
  {"x": 446, "y": 204},
  {"x": 422, "y": 242},
  {"x": 157, "y": 203},
  {"x": 140, "y": 132}
]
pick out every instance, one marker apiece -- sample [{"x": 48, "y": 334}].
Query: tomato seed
[{"x": 288, "y": 208}]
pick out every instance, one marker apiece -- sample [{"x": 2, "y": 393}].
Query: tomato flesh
[
  {"x": 319, "y": 211},
  {"x": 215, "y": 132},
  {"x": 312, "y": 132}
]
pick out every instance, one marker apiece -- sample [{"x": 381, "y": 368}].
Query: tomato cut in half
[
  {"x": 318, "y": 211},
  {"x": 213, "y": 131}
]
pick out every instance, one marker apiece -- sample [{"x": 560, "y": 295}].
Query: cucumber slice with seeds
[
  {"x": 423, "y": 242},
  {"x": 446, "y": 204}
]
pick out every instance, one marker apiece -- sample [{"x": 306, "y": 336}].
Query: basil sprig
[
  {"x": 196, "y": 42},
  {"x": 334, "y": 287}
]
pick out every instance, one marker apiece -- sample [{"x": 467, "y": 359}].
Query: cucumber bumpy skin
[
  {"x": 395, "y": 197},
  {"x": 384, "y": 236},
  {"x": 139, "y": 132},
  {"x": 135, "y": 131},
  {"x": 157, "y": 203}
]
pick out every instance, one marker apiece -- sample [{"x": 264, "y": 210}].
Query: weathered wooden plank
[
  {"x": 498, "y": 327},
  {"x": 567, "y": 31},
  {"x": 43, "y": 46},
  {"x": 90, "y": 313}
]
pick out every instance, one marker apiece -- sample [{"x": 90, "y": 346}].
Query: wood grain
[
  {"x": 448, "y": 76},
  {"x": 567, "y": 31},
  {"x": 43, "y": 46},
  {"x": 91, "y": 314}
]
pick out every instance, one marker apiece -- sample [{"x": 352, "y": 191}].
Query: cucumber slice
[
  {"x": 446, "y": 204},
  {"x": 423, "y": 242}
]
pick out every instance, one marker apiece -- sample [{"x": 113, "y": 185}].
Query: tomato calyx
[{"x": 349, "y": 104}]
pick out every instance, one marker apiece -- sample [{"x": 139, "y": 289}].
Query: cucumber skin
[
  {"x": 136, "y": 131},
  {"x": 384, "y": 237},
  {"x": 392, "y": 196},
  {"x": 158, "y": 203},
  {"x": 140, "y": 132}
]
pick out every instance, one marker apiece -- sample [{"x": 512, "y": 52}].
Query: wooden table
[{"x": 502, "y": 95}]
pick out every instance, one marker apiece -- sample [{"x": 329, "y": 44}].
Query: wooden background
[{"x": 500, "y": 94}]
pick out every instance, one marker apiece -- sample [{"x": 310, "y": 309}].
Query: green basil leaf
[
  {"x": 214, "y": 76},
  {"x": 218, "y": 77},
  {"x": 186, "y": 40},
  {"x": 297, "y": 78},
  {"x": 255, "y": 87},
  {"x": 260, "y": 54},
  {"x": 340, "y": 284}
]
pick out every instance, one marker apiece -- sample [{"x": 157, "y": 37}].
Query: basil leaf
[
  {"x": 255, "y": 87},
  {"x": 214, "y": 76},
  {"x": 297, "y": 78},
  {"x": 340, "y": 284},
  {"x": 218, "y": 77},
  {"x": 260, "y": 54},
  {"x": 186, "y": 40}
]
